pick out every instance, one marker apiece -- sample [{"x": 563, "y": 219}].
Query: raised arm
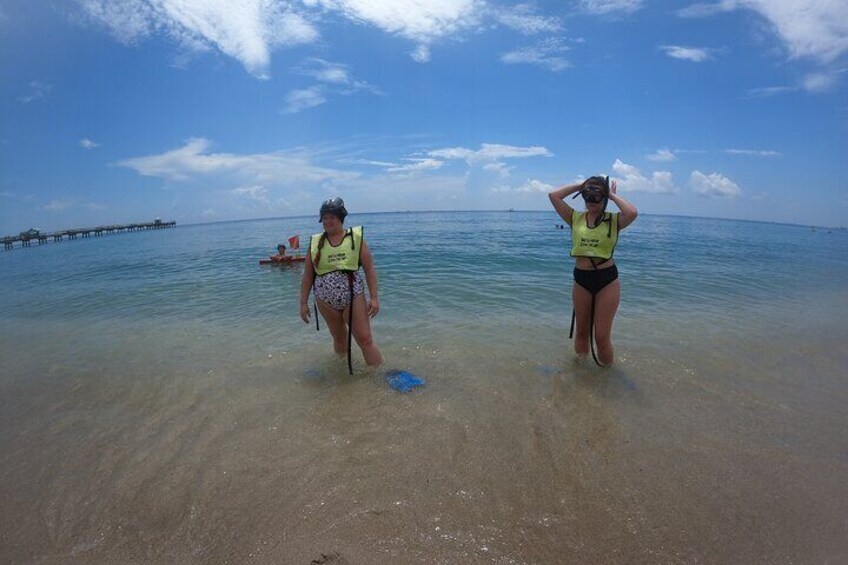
[
  {"x": 371, "y": 278},
  {"x": 558, "y": 200},
  {"x": 628, "y": 210}
]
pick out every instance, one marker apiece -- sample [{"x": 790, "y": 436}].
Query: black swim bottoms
[{"x": 595, "y": 280}]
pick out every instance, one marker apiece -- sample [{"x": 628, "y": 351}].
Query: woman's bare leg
[
  {"x": 362, "y": 332},
  {"x": 606, "y": 305},
  {"x": 582, "y": 300},
  {"x": 336, "y": 323}
]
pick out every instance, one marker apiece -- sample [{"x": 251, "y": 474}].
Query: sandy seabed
[{"x": 506, "y": 456}]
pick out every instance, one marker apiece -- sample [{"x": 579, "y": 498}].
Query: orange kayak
[{"x": 282, "y": 260}]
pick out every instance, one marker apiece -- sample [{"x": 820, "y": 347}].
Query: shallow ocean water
[{"x": 162, "y": 401}]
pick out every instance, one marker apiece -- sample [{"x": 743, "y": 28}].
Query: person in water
[
  {"x": 281, "y": 254},
  {"x": 333, "y": 271},
  {"x": 594, "y": 233}
]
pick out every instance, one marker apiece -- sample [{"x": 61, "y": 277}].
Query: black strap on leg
[
  {"x": 592, "y": 333},
  {"x": 350, "y": 325},
  {"x": 571, "y": 331},
  {"x": 315, "y": 301}
]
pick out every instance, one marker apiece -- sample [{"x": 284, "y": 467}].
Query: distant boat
[{"x": 511, "y": 210}]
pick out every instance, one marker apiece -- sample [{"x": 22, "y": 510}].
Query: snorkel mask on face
[{"x": 595, "y": 189}]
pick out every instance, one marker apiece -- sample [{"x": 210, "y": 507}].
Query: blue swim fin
[{"x": 403, "y": 381}]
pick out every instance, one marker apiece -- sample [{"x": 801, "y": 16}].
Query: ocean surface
[{"x": 162, "y": 402}]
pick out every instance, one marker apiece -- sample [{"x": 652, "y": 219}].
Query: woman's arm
[
  {"x": 557, "y": 199},
  {"x": 371, "y": 278},
  {"x": 628, "y": 210},
  {"x": 306, "y": 286}
]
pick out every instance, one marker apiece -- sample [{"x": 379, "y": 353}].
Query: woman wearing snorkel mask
[
  {"x": 594, "y": 233},
  {"x": 332, "y": 270}
]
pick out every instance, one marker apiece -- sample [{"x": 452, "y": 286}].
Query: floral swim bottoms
[{"x": 334, "y": 288}]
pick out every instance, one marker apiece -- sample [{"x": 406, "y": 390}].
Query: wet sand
[{"x": 505, "y": 457}]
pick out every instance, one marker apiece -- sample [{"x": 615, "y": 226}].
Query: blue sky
[{"x": 195, "y": 111}]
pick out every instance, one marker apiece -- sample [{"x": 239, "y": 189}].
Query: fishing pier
[{"x": 26, "y": 238}]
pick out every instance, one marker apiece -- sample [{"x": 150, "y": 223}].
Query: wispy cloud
[
  {"x": 332, "y": 73},
  {"x": 602, "y": 7},
  {"x": 821, "y": 81},
  {"x": 489, "y": 152},
  {"x": 62, "y": 204},
  {"x": 88, "y": 144},
  {"x": 333, "y": 78},
  {"x": 631, "y": 179},
  {"x": 246, "y": 30},
  {"x": 57, "y": 205},
  {"x": 769, "y": 91},
  {"x": 753, "y": 152},
  {"x": 415, "y": 165},
  {"x": 816, "y": 83},
  {"x": 714, "y": 184},
  {"x": 533, "y": 185},
  {"x": 664, "y": 154},
  {"x": 694, "y": 54},
  {"x": 548, "y": 54},
  {"x": 490, "y": 158},
  {"x": 304, "y": 98},
  {"x": 38, "y": 90},
  {"x": 250, "y": 30},
  {"x": 523, "y": 19},
  {"x": 256, "y": 193},
  {"x": 195, "y": 162},
  {"x": 814, "y": 29},
  {"x": 421, "y": 21}
]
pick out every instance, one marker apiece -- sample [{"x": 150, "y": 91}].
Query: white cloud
[
  {"x": 255, "y": 193},
  {"x": 247, "y": 30},
  {"x": 816, "y": 83},
  {"x": 489, "y": 152},
  {"x": 88, "y": 144},
  {"x": 533, "y": 185},
  {"x": 333, "y": 78},
  {"x": 498, "y": 168},
  {"x": 194, "y": 162},
  {"x": 770, "y": 91},
  {"x": 714, "y": 184},
  {"x": 630, "y": 179},
  {"x": 663, "y": 155},
  {"x": 416, "y": 165},
  {"x": 819, "y": 82},
  {"x": 58, "y": 205},
  {"x": 815, "y": 29},
  {"x": 523, "y": 19},
  {"x": 421, "y": 54},
  {"x": 610, "y": 6},
  {"x": 548, "y": 54},
  {"x": 324, "y": 71},
  {"x": 298, "y": 100},
  {"x": 421, "y": 21},
  {"x": 694, "y": 54},
  {"x": 753, "y": 152},
  {"x": 334, "y": 74},
  {"x": 38, "y": 90}
]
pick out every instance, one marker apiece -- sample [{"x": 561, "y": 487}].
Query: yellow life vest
[
  {"x": 342, "y": 257},
  {"x": 598, "y": 242}
]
